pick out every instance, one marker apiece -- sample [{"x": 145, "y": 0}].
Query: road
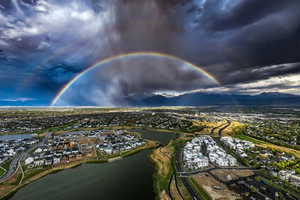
[
  {"x": 177, "y": 187},
  {"x": 16, "y": 162},
  {"x": 13, "y": 168},
  {"x": 169, "y": 187},
  {"x": 184, "y": 180},
  {"x": 223, "y": 128},
  {"x": 184, "y": 175},
  {"x": 214, "y": 128}
]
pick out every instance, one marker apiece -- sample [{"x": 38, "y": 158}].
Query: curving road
[
  {"x": 184, "y": 180},
  {"x": 223, "y": 128},
  {"x": 214, "y": 128},
  {"x": 13, "y": 168},
  {"x": 177, "y": 187},
  {"x": 16, "y": 162},
  {"x": 183, "y": 175}
]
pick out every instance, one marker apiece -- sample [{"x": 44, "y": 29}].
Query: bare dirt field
[
  {"x": 215, "y": 189},
  {"x": 228, "y": 175}
]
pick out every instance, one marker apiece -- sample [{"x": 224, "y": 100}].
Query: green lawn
[
  {"x": 2, "y": 171},
  {"x": 6, "y": 164}
]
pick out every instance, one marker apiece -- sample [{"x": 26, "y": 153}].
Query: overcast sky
[{"x": 250, "y": 46}]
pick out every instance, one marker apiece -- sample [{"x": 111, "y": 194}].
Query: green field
[{"x": 6, "y": 164}]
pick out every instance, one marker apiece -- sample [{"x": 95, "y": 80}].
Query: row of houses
[
  {"x": 62, "y": 149},
  {"x": 75, "y": 145},
  {"x": 118, "y": 142},
  {"x": 10, "y": 148},
  {"x": 289, "y": 175},
  {"x": 51, "y": 159},
  {"x": 49, "y": 155},
  {"x": 239, "y": 146}
]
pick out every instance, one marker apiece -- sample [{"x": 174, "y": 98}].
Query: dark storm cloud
[
  {"x": 147, "y": 74},
  {"x": 236, "y": 14},
  {"x": 231, "y": 39},
  {"x": 245, "y": 38},
  {"x": 246, "y": 74}
]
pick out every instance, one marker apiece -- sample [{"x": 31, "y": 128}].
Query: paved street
[
  {"x": 13, "y": 168},
  {"x": 15, "y": 163},
  {"x": 184, "y": 175},
  {"x": 184, "y": 180}
]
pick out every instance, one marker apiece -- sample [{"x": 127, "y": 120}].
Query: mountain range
[
  {"x": 202, "y": 99},
  {"x": 193, "y": 99}
]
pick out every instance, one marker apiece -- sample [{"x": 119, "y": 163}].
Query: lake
[
  {"x": 128, "y": 178},
  {"x": 16, "y": 137}
]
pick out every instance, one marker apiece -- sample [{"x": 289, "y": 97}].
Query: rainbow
[{"x": 109, "y": 59}]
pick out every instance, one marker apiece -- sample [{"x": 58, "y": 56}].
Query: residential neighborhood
[
  {"x": 228, "y": 154},
  {"x": 74, "y": 146},
  {"x": 118, "y": 142},
  {"x": 10, "y": 147},
  {"x": 203, "y": 150},
  {"x": 239, "y": 146}
]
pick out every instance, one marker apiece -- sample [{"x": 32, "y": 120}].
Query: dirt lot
[
  {"x": 215, "y": 189},
  {"x": 228, "y": 175}
]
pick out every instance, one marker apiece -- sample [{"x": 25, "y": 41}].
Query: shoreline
[
  {"x": 150, "y": 145},
  {"x": 162, "y": 159}
]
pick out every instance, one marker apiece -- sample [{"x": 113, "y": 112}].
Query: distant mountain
[
  {"x": 200, "y": 99},
  {"x": 277, "y": 94},
  {"x": 22, "y": 103},
  {"x": 192, "y": 99}
]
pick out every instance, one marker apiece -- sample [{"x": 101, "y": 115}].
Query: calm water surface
[
  {"x": 16, "y": 137},
  {"x": 129, "y": 178}
]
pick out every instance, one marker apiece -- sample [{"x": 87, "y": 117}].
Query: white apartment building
[{"x": 193, "y": 154}]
